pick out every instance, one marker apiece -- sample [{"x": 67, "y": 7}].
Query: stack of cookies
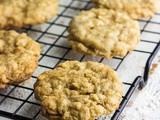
[
  {"x": 73, "y": 90},
  {"x": 103, "y": 32}
]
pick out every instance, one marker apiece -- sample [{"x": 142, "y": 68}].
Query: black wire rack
[{"x": 53, "y": 38}]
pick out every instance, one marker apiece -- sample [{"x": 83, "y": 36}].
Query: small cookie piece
[
  {"x": 18, "y": 13},
  {"x": 78, "y": 91},
  {"x": 18, "y": 57},
  {"x": 134, "y": 8},
  {"x": 103, "y": 32}
]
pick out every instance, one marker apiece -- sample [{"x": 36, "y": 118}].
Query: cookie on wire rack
[
  {"x": 103, "y": 32},
  {"x": 18, "y": 13},
  {"x": 18, "y": 57},
  {"x": 134, "y": 8},
  {"x": 78, "y": 91}
]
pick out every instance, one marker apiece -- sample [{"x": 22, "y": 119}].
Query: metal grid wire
[{"x": 17, "y": 101}]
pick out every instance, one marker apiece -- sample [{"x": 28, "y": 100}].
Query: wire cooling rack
[{"x": 17, "y": 101}]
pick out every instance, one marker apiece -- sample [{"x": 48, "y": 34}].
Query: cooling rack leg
[
  {"x": 142, "y": 84},
  {"x": 144, "y": 81},
  {"x": 127, "y": 97}
]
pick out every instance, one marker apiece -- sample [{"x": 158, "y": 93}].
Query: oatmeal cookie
[
  {"x": 134, "y": 8},
  {"x": 78, "y": 91},
  {"x": 18, "y": 57},
  {"x": 18, "y": 13},
  {"x": 103, "y": 32}
]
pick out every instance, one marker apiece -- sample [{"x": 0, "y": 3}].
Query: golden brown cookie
[
  {"x": 78, "y": 91},
  {"x": 103, "y": 32},
  {"x": 18, "y": 13},
  {"x": 18, "y": 57},
  {"x": 134, "y": 8}
]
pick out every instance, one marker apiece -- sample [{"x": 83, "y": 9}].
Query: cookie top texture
[
  {"x": 18, "y": 57},
  {"x": 103, "y": 32},
  {"x": 78, "y": 91},
  {"x": 134, "y": 8},
  {"x": 18, "y": 13}
]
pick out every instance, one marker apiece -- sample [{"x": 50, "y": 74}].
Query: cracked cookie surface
[
  {"x": 18, "y": 13},
  {"x": 78, "y": 91},
  {"x": 134, "y": 8},
  {"x": 103, "y": 32},
  {"x": 18, "y": 57}
]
